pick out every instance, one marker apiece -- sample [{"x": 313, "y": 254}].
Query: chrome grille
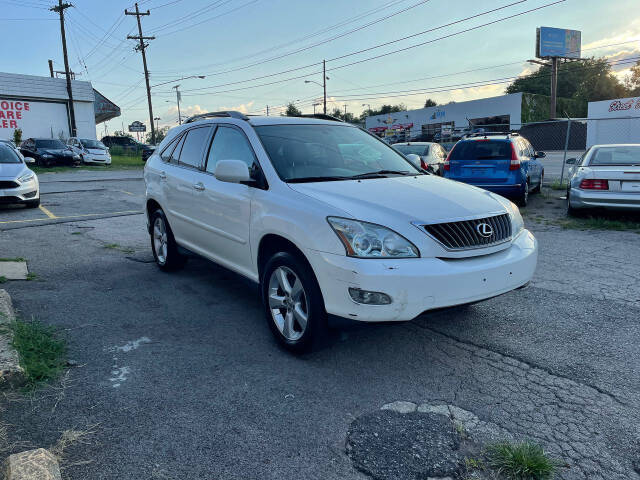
[
  {"x": 8, "y": 184},
  {"x": 467, "y": 234}
]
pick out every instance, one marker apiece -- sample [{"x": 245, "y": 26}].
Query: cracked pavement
[{"x": 208, "y": 394}]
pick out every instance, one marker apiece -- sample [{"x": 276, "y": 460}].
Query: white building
[
  {"x": 39, "y": 106},
  {"x": 614, "y": 121},
  {"x": 504, "y": 109}
]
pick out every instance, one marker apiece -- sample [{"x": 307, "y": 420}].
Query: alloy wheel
[
  {"x": 160, "y": 240},
  {"x": 288, "y": 303}
]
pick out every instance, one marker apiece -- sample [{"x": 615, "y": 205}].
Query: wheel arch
[
  {"x": 272, "y": 243},
  {"x": 151, "y": 206}
]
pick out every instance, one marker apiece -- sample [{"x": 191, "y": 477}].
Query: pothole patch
[{"x": 409, "y": 441}]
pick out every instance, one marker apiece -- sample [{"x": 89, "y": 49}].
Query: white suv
[{"x": 329, "y": 220}]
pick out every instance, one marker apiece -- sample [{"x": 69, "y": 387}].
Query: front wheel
[
  {"x": 163, "y": 245},
  {"x": 524, "y": 196},
  {"x": 293, "y": 302}
]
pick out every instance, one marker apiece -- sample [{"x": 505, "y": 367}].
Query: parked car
[
  {"x": 48, "y": 151},
  {"x": 502, "y": 163},
  {"x": 432, "y": 155},
  {"x": 605, "y": 176},
  {"x": 366, "y": 237},
  {"x": 129, "y": 144},
  {"x": 18, "y": 184},
  {"x": 90, "y": 151},
  {"x": 10, "y": 144}
]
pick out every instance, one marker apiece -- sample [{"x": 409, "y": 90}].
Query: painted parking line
[
  {"x": 71, "y": 217},
  {"x": 47, "y": 212},
  {"x": 128, "y": 193}
]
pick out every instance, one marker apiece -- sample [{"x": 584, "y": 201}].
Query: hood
[
  {"x": 11, "y": 171},
  {"x": 423, "y": 198},
  {"x": 56, "y": 151}
]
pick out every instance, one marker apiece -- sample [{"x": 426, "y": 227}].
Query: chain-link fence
[{"x": 559, "y": 139}]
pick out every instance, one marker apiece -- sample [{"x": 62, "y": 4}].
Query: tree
[
  {"x": 383, "y": 110},
  {"x": 120, "y": 133},
  {"x": 292, "y": 110},
  {"x": 587, "y": 80},
  {"x": 17, "y": 136},
  {"x": 632, "y": 82},
  {"x": 160, "y": 134},
  {"x": 430, "y": 103}
]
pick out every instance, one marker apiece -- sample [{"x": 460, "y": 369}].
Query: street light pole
[
  {"x": 324, "y": 84},
  {"x": 178, "y": 101},
  {"x": 156, "y": 119}
]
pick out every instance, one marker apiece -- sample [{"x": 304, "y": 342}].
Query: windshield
[
  {"x": 8, "y": 155},
  {"x": 627, "y": 155},
  {"x": 413, "y": 149},
  {"x": 481, "y": 150},
  {"x": 53, "y": 144},
  {"x": 329, "y": 152},
  {"x": 92, "y": 144}
]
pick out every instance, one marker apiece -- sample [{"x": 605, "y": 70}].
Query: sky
[{"x": 255, "y": 53}]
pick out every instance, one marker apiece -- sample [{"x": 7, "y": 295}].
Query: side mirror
[
  {"x": 232, "y": 171},
  {"x": 29, "y": 160},
  {"x": 540, "y": 154},
  {"x": 571, "y": 161},
  {"x": 414, "y": 159}
]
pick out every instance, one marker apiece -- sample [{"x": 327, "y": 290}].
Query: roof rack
[
  {"x": 226, "y": 113},
  {"x": 489, "y": 134},
  {"x": 319, "y": 116}
]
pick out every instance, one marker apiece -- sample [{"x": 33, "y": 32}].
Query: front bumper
[
  {"x": 419, "y": 284},
  {"x": 26, "y": 192},
  {"x": 604, "y": 199},
  {"x": 96, "y": 158}
]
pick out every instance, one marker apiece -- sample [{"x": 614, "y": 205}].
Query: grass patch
[
  {"x": 116, "y": 246},
  {"x": 598, "y": 223},
  {"x": 16, "y": 259},
  {"x": 42, "y": 353},
  {"x": 118, "y": 162},
  {"x": 3, "y": 279},
  {"x": 556, "y": 185},
  {"x": 521, "y": 461},
  {"x": 31, "y": 276}
]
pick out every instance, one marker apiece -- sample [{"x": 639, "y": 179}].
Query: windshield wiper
[
  {"x": 316, "y": 179},
  {"x": 382, "y": 173}
]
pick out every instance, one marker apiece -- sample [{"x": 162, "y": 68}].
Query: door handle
[
  {"x": 163, "y": 176},
  {"x": 198, "y": 186}
]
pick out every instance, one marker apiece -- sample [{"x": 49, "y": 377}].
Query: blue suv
[{"x": 503, "y": 163}]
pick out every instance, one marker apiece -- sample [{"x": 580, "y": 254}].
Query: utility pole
[
  {"x": 554, "y": 87},
  {"x": 141, "y": 48},
  {"x": 51, "y": 68},
  {"x": 178, "y": 100},
  {"x": 324, "y": 84},
  {"x": 59, "y": 9},
  {"x": 267, "y": 110},
  {"x": 156, "y": 119}
]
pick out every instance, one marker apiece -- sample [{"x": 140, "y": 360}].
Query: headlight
[
  {"x": 368, "y": 240},
  {"x": 26, "y": 177},
  {"x": 46, "y": 155},
  {"x": 517, "y": 224}
]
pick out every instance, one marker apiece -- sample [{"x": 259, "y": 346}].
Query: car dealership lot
[{"x": 179, "y": 377}]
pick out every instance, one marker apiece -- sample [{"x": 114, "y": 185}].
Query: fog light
[{"x": 369, "y": 298}]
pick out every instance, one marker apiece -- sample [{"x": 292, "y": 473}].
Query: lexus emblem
[{"x": 484, "y": 230}]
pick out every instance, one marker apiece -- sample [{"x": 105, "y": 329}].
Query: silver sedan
[
  {"x": 605, "y": 176},
  {"x": 18, "y": 184}
]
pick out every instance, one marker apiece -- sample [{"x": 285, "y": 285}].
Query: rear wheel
[
  {"x": 293, "y": 302},
  {"x": 163, "y": 245},
  {"x": 571, "y": 211},
  {"x": 539, "y": 186},
  {"x": 523, "y": 199}
]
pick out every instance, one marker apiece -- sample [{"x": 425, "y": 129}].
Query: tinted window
[
  {"x": 193, "y": 147},
  {"x": 166, "y": 153},
  {"x": 87, "y": 143},
  {"x": 53, "y": 144},
  {"x": 481, "y": 150},
  {"x": 175, "y": 155},
  {"x": 627, "y": 155},
  {"x": 8, "y": 155},
  {"x": 414, "y": 149},
  {"x": 229, "y": 144}
]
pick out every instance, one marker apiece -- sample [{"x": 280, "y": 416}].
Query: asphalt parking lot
[{"x": 177, "y": 375}]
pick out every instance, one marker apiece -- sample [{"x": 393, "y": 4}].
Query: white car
[
  {"x": 18, "y": 184},
  {"x": 90, "y": 151},
  {"x": 326, "y": 228},
  {"x": 427, "y": 156}
]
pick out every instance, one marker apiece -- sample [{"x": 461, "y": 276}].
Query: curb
[
  {"x": 39, "y": 464},
  {"x": 11, "y": 373}
]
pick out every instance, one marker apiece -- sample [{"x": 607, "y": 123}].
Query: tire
[
  {"x": 32, "y": 203},
  {"x": 539, "y": 187},
  {"x": 163, "y": 244},
  {"x": 290, "y": 292},
  {"x": 572, "y": 212},
  {"x": 523, "y": 199}
]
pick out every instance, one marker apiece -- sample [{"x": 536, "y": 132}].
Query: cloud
[{"x": 243, "y": 107}]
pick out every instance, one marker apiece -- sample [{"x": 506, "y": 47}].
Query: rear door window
[
  {"x": 482, "y": 150},
  {"x": 193, "y": 147}
]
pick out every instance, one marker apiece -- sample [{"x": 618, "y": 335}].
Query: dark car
[
  {"x": 129, "y": 145},
  {"x": 504, "y": 163},
  {"x": 48, "y": 151}
]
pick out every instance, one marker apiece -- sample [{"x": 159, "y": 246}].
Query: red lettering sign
[{"x": 10, "y": 112}]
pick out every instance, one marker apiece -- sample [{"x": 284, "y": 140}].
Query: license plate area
[{"x": 633, "y": 187}]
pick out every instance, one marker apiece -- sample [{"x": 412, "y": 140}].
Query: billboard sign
[
  {"x": 34, "y": 118},
  {"x": 137, "y": 127},
  {"x": 558, "y": 42}
]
